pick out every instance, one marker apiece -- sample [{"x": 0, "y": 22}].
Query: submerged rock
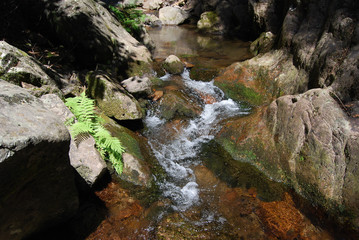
[
  {"x": 36, "y": 179},
  {"x": 112, "y": 98},
  {"x": 19, "y": 68},
  {"x": 172, "y": 15}
]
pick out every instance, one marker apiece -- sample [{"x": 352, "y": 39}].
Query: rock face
[
  {"x": 36, "y": 179},
  {"x": 90, "y": 30},
  {"x": 172, "y": 15},
  {"x": 19, "y": 68},
  {"x": 173, "y": 65},
  {"x": 112, "y": 98},
  {"x": 307, "y": 141},
  {"x": 263, "y": 44}
]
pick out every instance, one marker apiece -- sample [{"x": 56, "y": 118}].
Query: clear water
[{"x": 178, "y": 155}]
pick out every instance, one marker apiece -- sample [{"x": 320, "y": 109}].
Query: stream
[{"x": 205, "y": 194}]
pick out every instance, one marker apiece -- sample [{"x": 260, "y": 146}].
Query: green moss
[
  {"x": 139, "y": 69},
  {"x": 240, "y": 92},
  {"x": 95, "y": 86}
]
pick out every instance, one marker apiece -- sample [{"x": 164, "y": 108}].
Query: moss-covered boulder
[
  {"x": 263, "y": 78},
  {"x": 173, "y": 65},
  {"x": 211, "y": 23},
  {"x": 20, "y": 69},
  {"x": 306, "y": 141},
  {"x": 112, "y": 98}
]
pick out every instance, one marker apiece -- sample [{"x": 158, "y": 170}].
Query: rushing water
[{"x": 179, "y": 155}]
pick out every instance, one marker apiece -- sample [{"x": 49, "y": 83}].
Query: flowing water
[{"x": 205, "y": 194}]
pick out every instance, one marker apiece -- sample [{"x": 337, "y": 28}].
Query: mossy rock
[
  {"x": 112, "y": 98},
  {"x": 210, "y": 22},
  {"x": 173, "y": 65}
]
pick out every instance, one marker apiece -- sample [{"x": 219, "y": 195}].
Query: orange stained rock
[{"x": 156, "y": 95}]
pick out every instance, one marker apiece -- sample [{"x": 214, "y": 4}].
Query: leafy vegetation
[
  {"x": 129, "y": 17},
  {"x": 89, "y": 123}
]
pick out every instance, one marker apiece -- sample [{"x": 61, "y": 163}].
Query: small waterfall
[{"x": 179, "y": 154}]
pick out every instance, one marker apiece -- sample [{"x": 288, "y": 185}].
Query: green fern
[
  {"x": 129, "y": 17},
  {"x": 88, "y": 123}
]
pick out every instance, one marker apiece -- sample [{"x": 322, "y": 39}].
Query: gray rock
[
  {"x": 19, "y": 68},
  {"x": 173, "y": 65},
  {"x": 130, "y": 3},
  {"x": 87, "y": 161},
  {"x": 84, "y": 157},
  {"x": 172, "y": 15},
  {"x": 153, "y": 21},
  {"x": 152, "y": 4},
  {"x": 138, "y": 86},
  {"x": 112, "y": 98},
  {"x": 36, "y": 179}
]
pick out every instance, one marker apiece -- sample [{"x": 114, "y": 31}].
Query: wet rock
[
  {"x": 263, "y": 44},
  {"x": 138, "y": 86},
  {"x": 173, "y": 65},
  {"x": 36, "y": 179},
  {"x": 137, "y": 167},
  {"x": 112, "y": 98},
  {"x": 134, "y": 171},
  {"x": 262, "y": 78},
  {"x": 172, "y": 15},
  {"x": 177, "y": 104},
  {"x": 210, "y": 23},
  {"x": 265, "y": 15},
  {"x": 19, "y": 68},
  {"x": 88, "y": 28}
]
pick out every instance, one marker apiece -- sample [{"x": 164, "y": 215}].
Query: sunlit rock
[{"x": 172, "y": 15}]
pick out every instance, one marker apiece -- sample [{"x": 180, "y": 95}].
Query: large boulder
[
  {"x": 172, "y": 15},
  {"x": 112, "y": 98},
  {"x": 90, "y": 30},
  {"x": 306, "y": 141},
  {"x": 19, "y": 68},
  {"x": 36, "y": 179}
]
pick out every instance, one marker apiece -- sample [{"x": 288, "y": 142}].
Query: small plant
[
  {"x": 129, "y": 17},
  {"x": 89, "y": 123}
]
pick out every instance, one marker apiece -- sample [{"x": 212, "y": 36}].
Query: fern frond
[
  {"x": 117, "y": 164},
  {"x": 80, "y": 128}
]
